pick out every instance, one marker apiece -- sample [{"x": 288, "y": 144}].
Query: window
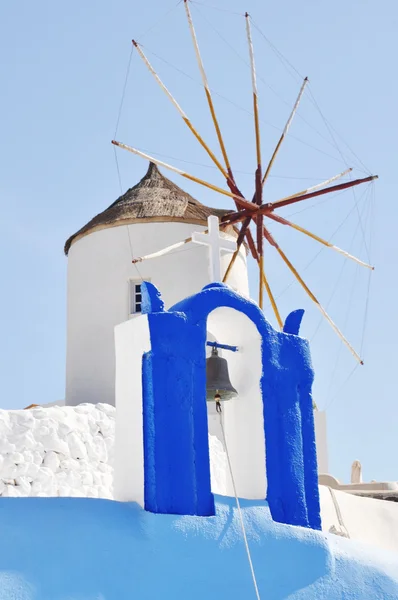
[{"x": 135, "y": 297}]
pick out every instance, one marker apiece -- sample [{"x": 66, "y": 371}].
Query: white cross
[{"x": 216, "y": 243}]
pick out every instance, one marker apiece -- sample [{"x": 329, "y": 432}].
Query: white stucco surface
[
  {"x": 132, "y": 340},
  {"x": 321, "y": 441},
  {"x": 99, "y": 270}
]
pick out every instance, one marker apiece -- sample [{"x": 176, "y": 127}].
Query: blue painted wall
[{"x": 177, "y": 472}]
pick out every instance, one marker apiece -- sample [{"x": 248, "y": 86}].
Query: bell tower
[{"x": 267, "y": 427}]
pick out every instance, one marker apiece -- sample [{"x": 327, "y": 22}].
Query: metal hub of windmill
[{"x": 254, "y": 211}]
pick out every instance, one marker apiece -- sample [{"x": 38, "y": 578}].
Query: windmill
[{"x": 253, "y": 212}]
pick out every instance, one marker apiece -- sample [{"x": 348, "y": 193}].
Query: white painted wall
[
  {"x": 132, "y": 340},
  {"x": 242, "y": 416},
  {"x": 321, "y": 441},
  {"x": 364, "y": 519},
  {"x": 99, "y": 269}
]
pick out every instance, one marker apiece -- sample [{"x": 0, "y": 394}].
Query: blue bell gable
[{"x": 175, "y": 427}]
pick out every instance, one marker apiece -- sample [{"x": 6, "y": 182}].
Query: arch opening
[{"x": 243, "y": 416}]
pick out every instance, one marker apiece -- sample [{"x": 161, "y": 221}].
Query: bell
[{"x": 218, "y": 378}]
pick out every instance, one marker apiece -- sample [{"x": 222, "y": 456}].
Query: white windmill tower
[{"x": 104, "y": 285}]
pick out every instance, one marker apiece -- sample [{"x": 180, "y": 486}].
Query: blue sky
[{"x": 62, "y": 73}]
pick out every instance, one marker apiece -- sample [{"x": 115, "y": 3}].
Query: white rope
[
  {"x": 343, "y": 529},
  {"x": 249, "y": 558}
]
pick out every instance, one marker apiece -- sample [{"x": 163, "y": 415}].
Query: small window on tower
[{"x": 135, "y": 297}]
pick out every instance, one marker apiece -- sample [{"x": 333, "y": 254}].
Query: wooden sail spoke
[
  {"x": 283, "y": 221},
  {"x": 231, "y": 264},
  {"x": 238, "y": 199},
  {"x": 244, "y": 232},
  {"x": 207, "y": 89},
  {"x": 260, "y": 283},
  {"x": 238, "y": 217},
  {"x": 285, "y": 130},
  {"x": 163, "y": 251},
  {"x": 271, "y": 299},
  {"x": 333, "y": 188},
  {"x": 259, "y": 224},
  {"x": 263, "y": 279},
  {"x": 273, "y": 243},
  {"x": 264, "y": 209},
  {"x": 315, "y": 187},
  {"x": 254, "y": 88},
  {"x": 172, "y": 247},
  {"x": 251, "y": 244},
  {"x": 230, "y": 179},
  {"x": 180, "y": 110}
]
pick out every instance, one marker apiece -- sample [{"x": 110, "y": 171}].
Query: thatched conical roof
[{"x": 154, "y": 198}]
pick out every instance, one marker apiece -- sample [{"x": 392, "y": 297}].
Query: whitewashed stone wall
[
  {"x": 57, "y": 451},
  {"x": 67, "y": 451}
]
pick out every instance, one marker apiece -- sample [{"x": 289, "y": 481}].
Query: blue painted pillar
[
  {"x": 284, "y": 451},
  {"x": 310, "y": 458},
  {"x": 176, "y": 449}
]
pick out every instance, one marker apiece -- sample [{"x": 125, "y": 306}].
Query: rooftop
[{"x": 154, "y": 198}]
